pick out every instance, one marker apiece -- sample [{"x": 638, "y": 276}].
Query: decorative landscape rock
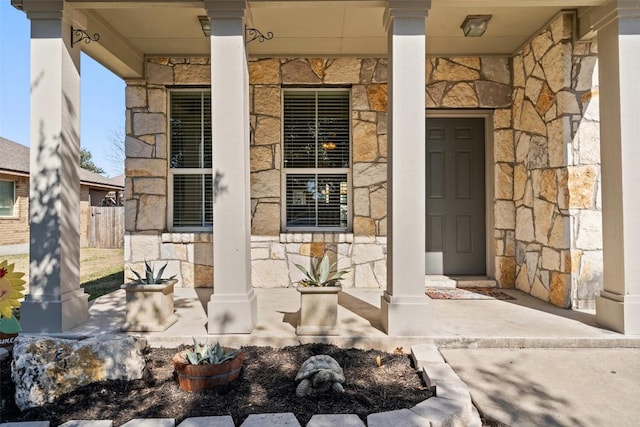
[
  {"x": 319, "y": 374},
  {"x": 45, "y": 368}
]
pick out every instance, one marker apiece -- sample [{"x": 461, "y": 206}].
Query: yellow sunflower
[{"x": 11, "y": 288}]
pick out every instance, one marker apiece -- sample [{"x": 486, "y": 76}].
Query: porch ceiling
[{"x": 311, "y": 28}]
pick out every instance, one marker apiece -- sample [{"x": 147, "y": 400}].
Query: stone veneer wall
[
  {"x": 452, "y": 83},
  {"x": 362, "y": 252},
  {"x": 464, "y": 83},
  {"x": 556, "y": 168},
  {"x": 469, "y": 83},
  {"x": 189, "y": 255}
]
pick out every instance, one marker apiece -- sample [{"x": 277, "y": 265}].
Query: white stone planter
[
  {"x": 149, "y": 307},
  {"x": 318, "y": 310}
]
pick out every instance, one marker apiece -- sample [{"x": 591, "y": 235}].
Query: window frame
[
  {"x": 172, "y": 172},
  {"x": 315, "y": 171},
  {"x": 13, "y": 208}
]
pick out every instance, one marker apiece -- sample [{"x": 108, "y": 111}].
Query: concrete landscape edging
[{"x": 449, "y": 407}]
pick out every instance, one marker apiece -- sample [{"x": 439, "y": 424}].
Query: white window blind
[
  {"x": 190, "y": 159},
  {"x": 7, "y": 198},
  {"x": 316, "y": 129}
]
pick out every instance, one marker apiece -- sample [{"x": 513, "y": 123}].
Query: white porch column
[
  {"x": 55, "y": 302},
  {"x": 618, "y": 306},
  {"x": 406, "y": 310},
  {"x": 233, "y": 305}
]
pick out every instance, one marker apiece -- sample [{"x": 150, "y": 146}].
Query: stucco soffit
[
  {"x": 113, "y": 50},
  {"x": 128, "y": 4},
  {"x": 521, "y": 3}
]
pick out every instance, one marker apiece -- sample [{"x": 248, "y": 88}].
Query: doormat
[{"x": 467, "y": 293}]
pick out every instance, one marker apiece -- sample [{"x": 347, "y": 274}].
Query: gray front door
[{"x": 455, "y": 221}]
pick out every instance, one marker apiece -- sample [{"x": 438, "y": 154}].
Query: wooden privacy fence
[{"x": 106, "y": 227}]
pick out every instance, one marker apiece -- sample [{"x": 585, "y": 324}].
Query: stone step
[
  {"x": 450, "y": 282},
  {"x": 436, "y": 281},
  {"x": 474, "y": 282}
]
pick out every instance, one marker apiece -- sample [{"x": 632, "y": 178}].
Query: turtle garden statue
[{"x": 319, "y": 374}]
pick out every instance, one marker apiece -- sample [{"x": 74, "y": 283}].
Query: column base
[
  {"x": 620, "y": 313},
  {"x": 232, "y": 314},
  {"x": 55, "y": 316},
  {"x": 406, "y": 316}
]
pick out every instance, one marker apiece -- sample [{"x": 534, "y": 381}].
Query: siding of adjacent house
[
  {"x": 14, "y": 235},
  {"x": 14, "y": 231}
]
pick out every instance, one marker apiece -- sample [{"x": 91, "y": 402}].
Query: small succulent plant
[
  {"x": 320, "y": 274},
  {"x": 149, "y": 277},
  {"x": 208, "y": 354}
]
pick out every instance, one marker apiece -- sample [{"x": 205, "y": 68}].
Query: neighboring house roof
[
  {"x": 15, "y": 161},
  {"x": 119, "y": 180},
  {"x": 15, "y": 157}
]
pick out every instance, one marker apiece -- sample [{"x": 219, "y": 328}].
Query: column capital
[
  {"x": 226, "y": 9},
  {"x": 45, "y": 9},
  {"x": 405, "y": 9},
  {"x": 600, "y": 17}
]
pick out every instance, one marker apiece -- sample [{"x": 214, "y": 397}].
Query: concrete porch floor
[
  {"x": 521, "y": 323},
  {"x": 524, "y": 361}
]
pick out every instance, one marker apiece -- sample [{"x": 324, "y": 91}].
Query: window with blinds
[
  {"x": 190, "y": 167},
  {"x": 7, "y": 198},
  {"x": 316, "y": 159}
]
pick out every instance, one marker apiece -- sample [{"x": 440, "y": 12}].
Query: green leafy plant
[
  {"x": 208, "y": 354},
  {"x": 149, "y": 277},
  {"x": 320, "y": 274}
]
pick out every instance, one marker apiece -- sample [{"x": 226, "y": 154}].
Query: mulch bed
[{"x": 266, "y": 385}]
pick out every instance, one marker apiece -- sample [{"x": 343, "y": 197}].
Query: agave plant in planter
[
  {"x": 319, "y": 291},
  {"x": 206, "y": 366},
  {"x": 149, "y": 301}
]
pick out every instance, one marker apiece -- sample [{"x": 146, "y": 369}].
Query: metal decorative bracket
[
  {"x": 80, "y": 35},
  {"x": 252, "y": 34}
]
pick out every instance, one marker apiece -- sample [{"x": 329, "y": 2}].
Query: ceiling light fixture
[{"x": 475, "y": 25}]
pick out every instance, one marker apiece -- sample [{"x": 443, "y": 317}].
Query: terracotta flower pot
[{"x": 201, "y": 377}]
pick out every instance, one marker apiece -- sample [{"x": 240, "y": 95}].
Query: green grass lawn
[{"x": 101, "y": 270}]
